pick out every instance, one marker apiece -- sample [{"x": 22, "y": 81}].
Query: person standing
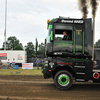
[
  {"x": 8, "y": 63},
  {"x": 42, "y": 63},
  {"x": 13, "y": 63},
  {"x": 0, "y": 63},
  {"x": 37, "y": 63}
]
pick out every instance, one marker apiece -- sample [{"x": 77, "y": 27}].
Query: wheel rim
[{"x": 63, "y": 79}]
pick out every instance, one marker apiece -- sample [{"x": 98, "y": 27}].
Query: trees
[
  {"x": 97, "y": 44},
  {"x": 30, "y": 49},
  {"x": 35, "y": 51},
  {"x": 13, "y": 43},
  {"x": 38, "y": 50},
  {"x": 41, "y": 50},
  {"x": 36, "y": 46}
]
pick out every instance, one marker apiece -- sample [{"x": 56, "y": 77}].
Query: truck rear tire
[{"x": 63, "y": 80}]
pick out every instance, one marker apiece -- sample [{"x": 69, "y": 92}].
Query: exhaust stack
[
  {"x": 94, "y": 5},
  {"x": 93, "y": 37}
]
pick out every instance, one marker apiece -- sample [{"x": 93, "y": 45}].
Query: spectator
[
  {"x": 37, "y": 63},
  {"x": 42, "y": 63},
  {"x": 95, "y": 62},
  {"x": 13, "y": 63},
  {"x": 0, "y": 63},
  {"x": 8, "y": 63}
]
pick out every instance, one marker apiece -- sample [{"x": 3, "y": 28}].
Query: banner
[
  {"x": 3, "y": 56},
  {"x": 27, "y": 65}
]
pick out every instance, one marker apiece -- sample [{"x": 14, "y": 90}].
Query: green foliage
[
  {"x": 38, "y": 50},
  {"x": 30, "y": 49},
  {"x": 41, "y": 50},
  {"x": 13, "y": 43},
  {"x": 36, "y": 46},
  {"x": 18, "y": 47},
  {"x": 97, "y": 44}
]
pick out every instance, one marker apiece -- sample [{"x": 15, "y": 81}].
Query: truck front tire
[{"x": 63, "y": 80}]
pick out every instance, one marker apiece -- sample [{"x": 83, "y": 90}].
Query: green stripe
[
  {"x": 50, "y": 26},
  {"x": 81, "y": 59},
  {"x": 83, "y": 43},
  {"x": 74, "y": 44},
  {"x": 51, "y": 36},
  {"x": 51, "y": 20}
]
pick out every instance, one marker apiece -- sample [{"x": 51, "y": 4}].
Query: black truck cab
[
  {"x": 72, "y": 57},
  {"x": 80, "y": 40}
]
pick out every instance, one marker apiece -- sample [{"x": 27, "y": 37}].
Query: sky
[{"x": 27, "y": 19}]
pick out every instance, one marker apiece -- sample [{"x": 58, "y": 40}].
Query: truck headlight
[{"x": 46, "y": 62}]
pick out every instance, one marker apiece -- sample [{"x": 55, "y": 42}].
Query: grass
[{"x": 21, "y": 71}]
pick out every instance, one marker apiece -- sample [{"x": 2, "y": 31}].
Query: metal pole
[
  {"x": 93, "y": 37},
  {"x": 5, "y": 23}
]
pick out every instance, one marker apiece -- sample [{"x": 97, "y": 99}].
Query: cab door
[{"x": 63, "y": 47}]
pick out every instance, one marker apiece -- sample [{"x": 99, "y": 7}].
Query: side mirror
[{"x": 51, "y": 36}]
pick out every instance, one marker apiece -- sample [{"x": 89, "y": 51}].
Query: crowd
[
  {"x": 9, "y": 64},
  {"x": 12, "y": 64},
  {"x": 37, "y": 63}
]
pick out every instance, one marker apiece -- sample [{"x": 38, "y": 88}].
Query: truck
[
  {"x": 20, "y": 56},
  {"x": 72, "y": 58}
]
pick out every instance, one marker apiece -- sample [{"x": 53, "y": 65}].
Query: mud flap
[
  {"x": 46, "y": 73},
  {"x": 89, "y": 67}
]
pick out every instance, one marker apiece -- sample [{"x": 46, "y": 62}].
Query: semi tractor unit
[{"x": 69, "y": 51}]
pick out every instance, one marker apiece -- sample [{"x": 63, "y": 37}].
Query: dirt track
[{"x": 37, "y": 88}]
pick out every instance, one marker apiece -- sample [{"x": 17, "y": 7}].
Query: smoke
[
  {"x": 94, "y": 5},
  {"x": 83, "y": 7}
]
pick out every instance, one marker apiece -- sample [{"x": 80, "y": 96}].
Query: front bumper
[{"x": 46, "y": 73}]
